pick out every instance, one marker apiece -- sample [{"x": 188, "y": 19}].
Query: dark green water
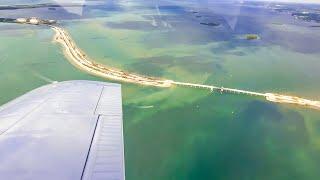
[{"x": 181, "y": 133}]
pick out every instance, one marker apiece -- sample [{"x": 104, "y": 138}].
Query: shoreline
[{"x": 80, "y": 60}]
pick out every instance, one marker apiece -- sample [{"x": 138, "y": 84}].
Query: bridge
[
  {"x": 278, "y": 98},
  {"x": 221, "y": 89}
]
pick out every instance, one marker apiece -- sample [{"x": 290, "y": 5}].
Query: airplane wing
[{"x": 67, "y": 130}]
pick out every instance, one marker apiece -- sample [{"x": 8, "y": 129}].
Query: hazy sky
[
  {"x": 291, "y": 1},
  {"x": 296, "y": 1}
]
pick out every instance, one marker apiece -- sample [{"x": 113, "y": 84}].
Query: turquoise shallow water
[{"x": 182, "y": 133}]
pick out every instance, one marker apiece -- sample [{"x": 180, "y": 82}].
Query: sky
[
  {"x": 290, "y": 1},
  {"x": 295, "y": 1}
]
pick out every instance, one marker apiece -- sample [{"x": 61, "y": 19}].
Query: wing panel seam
[
  {"x": 95, "y": 110},
  {"x": 94, "y": 132},
  {"x": 27, "y": 114}
]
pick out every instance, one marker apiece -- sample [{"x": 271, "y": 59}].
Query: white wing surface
[{"x": 67, "y": 130}]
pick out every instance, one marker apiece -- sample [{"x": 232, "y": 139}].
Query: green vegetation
[{"x": 7, "y": 20}]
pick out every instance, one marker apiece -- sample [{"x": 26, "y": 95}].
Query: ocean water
[{"x": 182, "y": 133}]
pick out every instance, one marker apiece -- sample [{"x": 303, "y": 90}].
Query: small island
[
  {"x": 252, "y": 36},
  {"x": 210, "y": 24}
]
